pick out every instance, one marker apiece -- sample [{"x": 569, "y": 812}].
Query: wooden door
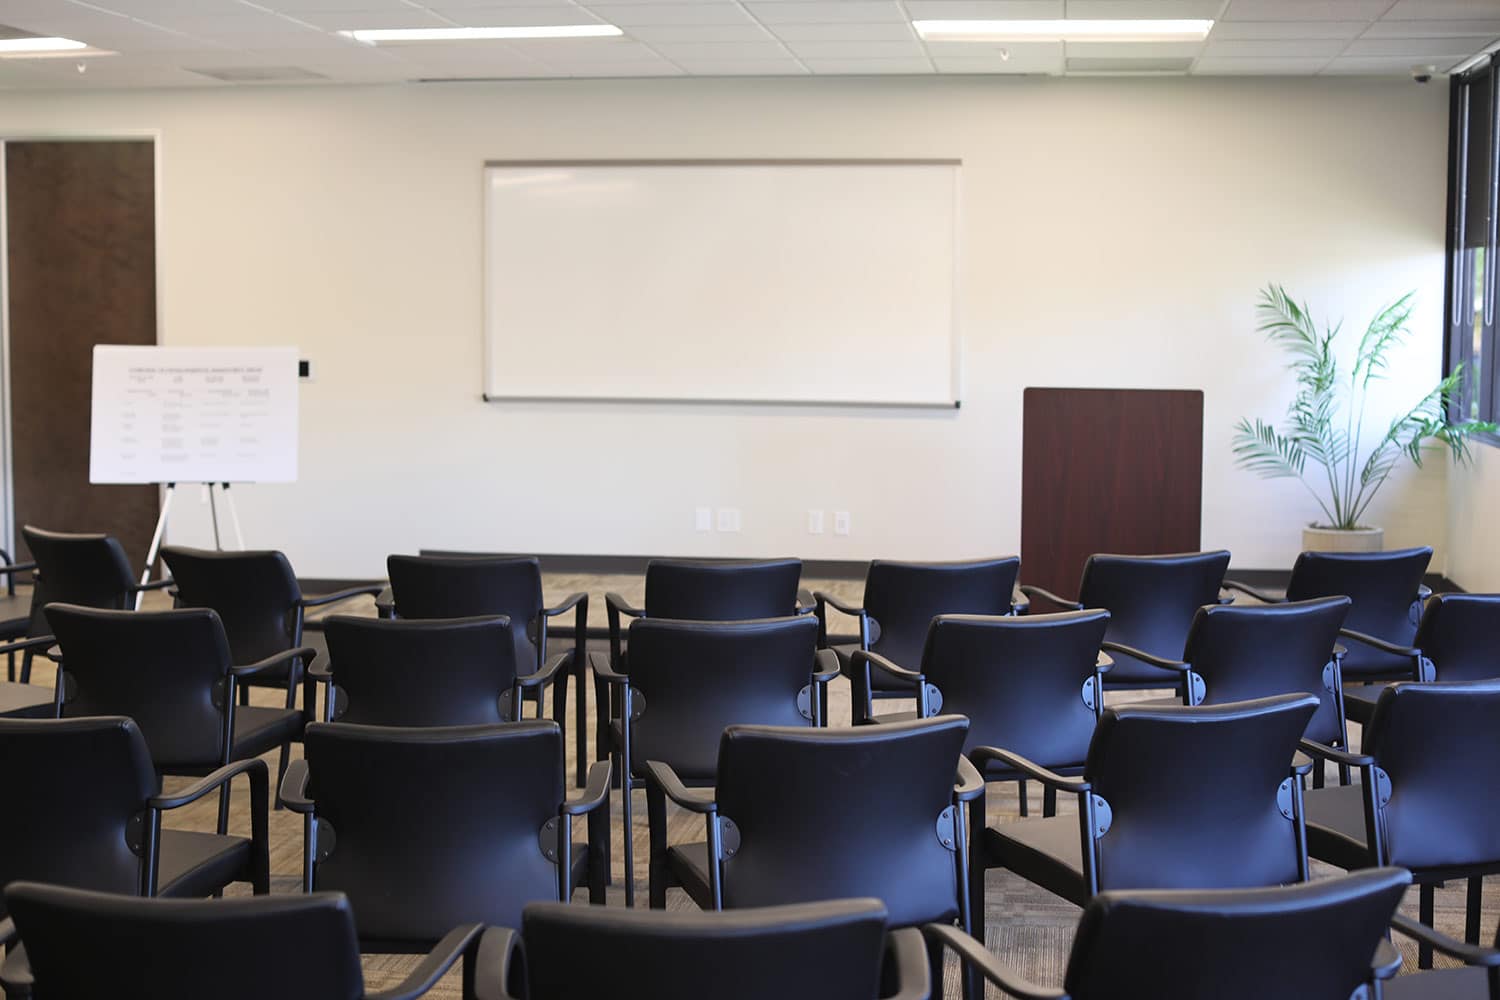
[
  {"x": 81, "y": 251},
  {"x": 1107, "y": 470}
]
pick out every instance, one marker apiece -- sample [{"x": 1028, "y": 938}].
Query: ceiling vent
[
  {"x": 1115, "y": 65},
  {"x": 259, "y": 74}
]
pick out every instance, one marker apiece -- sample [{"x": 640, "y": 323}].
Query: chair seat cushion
[
  {"x": 199, "y": 864},
  {"x": 1442, "y": 984},
  {"x": 12, "y": 628},
  {"x": 1360, "y": 699},
  {"x": 258, "y": 729},
  {"x": 688, "y": 864},
  {"x": 25, "y": 701},
  {"x": 1044, "y": 851},
  {"x": 1336, "y": 826},
  {"x": 881, "y": 683}
]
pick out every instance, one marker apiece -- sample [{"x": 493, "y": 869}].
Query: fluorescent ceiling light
[
  {"x": 1065, "y": 30},
  {"x": 377, "y": 36},
  {"x": 38, "y": 46}
]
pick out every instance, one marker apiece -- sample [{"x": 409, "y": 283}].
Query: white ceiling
[{"x": 163, "y": 42}]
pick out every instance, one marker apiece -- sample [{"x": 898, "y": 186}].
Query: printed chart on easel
[{"x": 212, "y": 415}]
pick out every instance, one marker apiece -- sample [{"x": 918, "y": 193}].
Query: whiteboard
[
  {"x": 193, "y": 414},
  {"x": 756, "y": 281}
]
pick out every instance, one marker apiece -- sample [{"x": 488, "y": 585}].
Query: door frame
[{"x": 154, "y": 135}]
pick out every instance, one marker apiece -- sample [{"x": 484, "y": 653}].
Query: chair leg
[
  {"x": 281, "y": 766},
  {"x": 1318, "y": 778},
  {"x": 244, "y": 694},
  {"x": 559, "y": 707},
  {"x": 935, "y": 954},
  {"x": 224, "y": 809},
  {"x": 1424, "y": 914},
  {"x": 977, "y": 866},
  {"x": 1471, "y": 919},
  {"x": 627, "y": 831},
  {"x": 1049, "y": 801},
  {"x": 605, "y": 708},
  {"x": 656, "y": 819},
  {"x": 581, "y": 718},
  {"x": 10, "y": 667},
  {"x": 26, "y": 658},
  {"x": 1021, "y": 796}
]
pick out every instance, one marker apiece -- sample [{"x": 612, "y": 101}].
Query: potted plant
[{"x": 1321, "y": 442}]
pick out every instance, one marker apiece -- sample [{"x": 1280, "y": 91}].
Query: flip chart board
[{"x": 193, "y": 414}]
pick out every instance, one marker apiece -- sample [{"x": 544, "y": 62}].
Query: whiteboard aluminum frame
[{"x": 955, "y": 337}]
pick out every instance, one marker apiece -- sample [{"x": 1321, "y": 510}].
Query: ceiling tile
[
  {"x": 1419, "y": 48},
  {"x": 770, "y": 49},
  {"x": 857, "y": 50},
  {"x": 1433, "y": 29},
  {"x": 651, "y": 34},
  {"x": 1368, "y": 66},
  {"x": 150, "y": 9},
  {"x": 510, "y": 17},
  {"x": 868, "y": 67},
  {"x": 1269, "y": 66},
  {"x": 845, "y": 32},
  {"x": 828, "y": 12},
  {"x": 348, "y": 20},
  {"x": 630, "y": 15},
  {"x": 1194, "y": 9},
  {"x": 657, "y": 67},
  {"x": 744, "y": 67},
  {"x": 1419, "y": 10},
  {"x": 1132, "y": 50},
  {"x": 1023, "y": 57},
  {"x": 973, "y": 10},
  {"x": 1249, "y": 30},
  {"x": 1305, "y": 10},
  {"x": 1309, "y": 48},
  {"x": 300, "y": 8}
]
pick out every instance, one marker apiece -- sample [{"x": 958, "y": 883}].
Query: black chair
[
  {"x": 84, "y": 945},
  {"x": 1457, "y": 639},
  {"x": 170, "y": 671},
  {"x": 425, "y": 671},
  {"x": 1424, "y": 801},
  {"x": 1387, "y": 591},
  {"x": 1030, "y": 683},
  {"x": 688, "y": 680},
  {"x": 15, "y": 613},
  {"x": 88, "y": 570},
  {"x": 1241, "y": 652},
  {"x": 800, "y": 815},
  {"x": 900, "y": 601},
  {"x": 426, "y": 828},
  {"x": 26, "y": 701},
  {"x": 467, "y": 586},
  {"x": 1320, "y": 941},
  {"x": 725, "y": 590},
  {"x": 1152, "y": 601},
  {"x": 1171, "y": 797},
  {"x": 84, "y": 808},
  {"x": 815, "y": 951},
  {"x": 258, "y": 599},
  {"x": 1479, "y": 980}
]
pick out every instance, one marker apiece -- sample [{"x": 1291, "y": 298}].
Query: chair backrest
[
  {"x": 255, "y": 593},
  {"x": 1460, "y": 634},
  {"x": 1312, "y": 940},
  {"x": 435, "y": 827},
  {"x": 167, "y": 670},
  {"x": 470, "y": 586},
  {"x": 689, "y": 680},
  {"x": 834, "y": 813},
  {"x": 1434, "y": 742},
  {"x": 1026, "y": 683},
  {"x": 1246, "y": 651},
  {"x": 1151, "y": 601},
  {"x": 422, "y": 671},
  {"x": 727, "y": 590},
  {"x": 87, "y": 569},
  {"x": 75, "y": 796},
  {"x": 1199, "y": 798},
  {"x": 903, "y": 598},
  {"x": 83, "y": 945},
  {"x": 1383, "y": 586},
  {"x": 816, "y": 951}
]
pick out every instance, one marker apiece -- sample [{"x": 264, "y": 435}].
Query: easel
[{"x": 161, "y": 527}]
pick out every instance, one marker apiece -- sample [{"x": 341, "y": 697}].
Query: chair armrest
[
  {"x": 318, "y": 600},
  {"x": 434, "y": 965},
  {"x": 698, "y": 800},
  {"x": 385, "y": 602},
  {"x": 572, "y": 600},
  {"x": 305, "y": 654},
  {"x": 1014, "y": 761},
  {"x": 806, "y": 603},
  {"x": 1104, "y": 663},
  {"x": 548, "y": 671},
  {"x": 1423, "y": 591},
  {"x": 828, "y": 666},
  {"x": 595, "y": 793},
  {"x": 1386, "y": 961},
  {"x": 40, "y": 642},
  {"x": 1469, "y": 954},
  {"x": 968, "y": 783},
  {"x": 25, "y": 567},
  {"x": 971, "y": 953},
  {"x": 1379, "y": 643},
  {"x": 847, "y": 609},
  {"x": 1322, "y": 751},
  {"x": 1245, "y": 588},
  {"x": 614, "y": 602},
  {"x": 604, "y": 671},
  {"x": 1032, "y": 591},
  {"x": 500, "y": 958},
  {"x": 864, "y": 656},
  {"x": 1145, "y": 657},
  {"x": 294, "y": 787},
  {"x": 162, "y": 584},
  {"x": 907, "y": 965},
  {"x": 254, "y": 767},
  {"x": 1302, "y": 764}
]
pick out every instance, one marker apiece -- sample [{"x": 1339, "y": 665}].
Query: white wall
[{"x": 1116, "y": 234}]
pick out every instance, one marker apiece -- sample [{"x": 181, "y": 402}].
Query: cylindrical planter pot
[{"x": 1315, "y": 539}]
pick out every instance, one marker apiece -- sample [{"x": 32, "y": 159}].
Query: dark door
[
  {"x": 1107, "y": 470},
  {"x": 81, "y": 242}
]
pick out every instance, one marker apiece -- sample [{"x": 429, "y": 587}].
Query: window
[{"x": 1474, "y": 160}]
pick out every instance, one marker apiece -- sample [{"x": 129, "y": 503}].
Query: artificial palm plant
[{"x": 1324, "y": 427}]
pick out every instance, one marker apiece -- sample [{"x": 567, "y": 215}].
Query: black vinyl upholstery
[
  {"x": 1457, "y": 639},
  {"x": 255, "y": 594},
  {"x": 1384, "y": 588}
]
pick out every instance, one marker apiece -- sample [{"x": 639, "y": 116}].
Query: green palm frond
[{"x": 1385, "y": 330}]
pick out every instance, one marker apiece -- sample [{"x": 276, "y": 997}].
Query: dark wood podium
[{"x": 1107, "y": 470}]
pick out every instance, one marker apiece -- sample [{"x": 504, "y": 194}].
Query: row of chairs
[{"x": 1321, "y": 940}]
